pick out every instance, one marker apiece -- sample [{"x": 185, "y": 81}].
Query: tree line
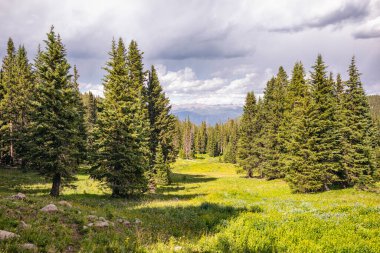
[
  {"x": 317, "y": 133},
  {"x": 47, "y": 125}
]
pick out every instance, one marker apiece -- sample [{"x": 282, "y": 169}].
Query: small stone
[
  {"x": 138, "y": 221},
  {"x": 119, "y": 220},
  {"x": 65, "y": 203},
  {"x": 102, "y": 219},
  {"x": 23, "y": 225},
  {"x": 49, "y": 208},
  {"x": 85, "y": 227},
  {"x": 29, "y": 246},
  {"x": 101, "y": 224},
  {"x": 92, "y": 217},
  {"x": 177, "y": 248},
  {"x": 90, "y": 224},
  {"x": 19, "y": 196},
  {"x": 126, "y": 223},
  {"x": 4, "y": 235}
]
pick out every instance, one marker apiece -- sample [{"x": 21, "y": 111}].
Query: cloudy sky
[{"x": 207, "y": 52}]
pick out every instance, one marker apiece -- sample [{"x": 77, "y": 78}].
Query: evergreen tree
[
  {"x": 359, "y": 135},
  {"x": 231, "y": 141},
  {"x": 202, "y": 138},
  {"x": 161, "y": 167},
  {"x": 52, "y": 132},
  {"x": 320, "y": 165},
  {"x": 246, "y": 142},
  {"x": 79, "y": 122},
  {"x": 9, "y": 90},
  {"x": 212, "y": 142},
  {"x": 120, "y": 159},
  {"x": 162, "y": 122},
  {"x": 187, "y": 151},
  {"x": 292, "y": 131},
  {"x": 274, "y": 107},
  {"x": 90, "y": 105}
]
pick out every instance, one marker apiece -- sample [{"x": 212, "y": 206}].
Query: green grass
[{"x": 207, "y": 208}]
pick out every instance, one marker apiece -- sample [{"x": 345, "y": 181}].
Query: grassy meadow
[{"x": 209, "y": 207}]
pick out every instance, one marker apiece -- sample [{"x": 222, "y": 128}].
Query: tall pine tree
[
  {"x": 359, "y": 133},
  {"x": 246, "y": 148},
  {"x": 321, "y": 167},
  {"x": 120, "y": 160},
  {"x": 52, "y": 146}
]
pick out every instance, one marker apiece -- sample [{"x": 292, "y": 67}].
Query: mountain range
[{"x": 212, "y": 114}]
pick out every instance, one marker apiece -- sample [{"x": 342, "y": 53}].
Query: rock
[
  {"x": 23, "y": 225},
  {"x": 138, "y": 221},
  {"x": 101, "y": 224},
  {"x": 127, "y": 223},
  {"x": 65, "y": 203},
  {"x": 85, "y": 227},
  {"x": 90, "y": 224},
  {"x": 102, "y": 219},
  {"x": 177, "y": 248},
  {"x": 119, "y": 220},
  {"x": 49, "y": 208},
  {"x": 19, "y": 196},
  {"x": 92, "y": 217},
  {"x": 29, "y": 246},
  {"x": 4, "y": 235}
]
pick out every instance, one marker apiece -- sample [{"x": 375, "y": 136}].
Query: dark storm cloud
[
  {"x": 212, "y": 51},
  {"x": 205, "y": 43},
  {"x": 348, "y": 12},
  {"x": 367, "y": 34}
]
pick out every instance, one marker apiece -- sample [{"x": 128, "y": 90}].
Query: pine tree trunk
[
  {"x": 250, "y": 173},
  {"x": 56, "y": 185}
]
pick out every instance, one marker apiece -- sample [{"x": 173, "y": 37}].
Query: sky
[{"x": 206, "y": 52}]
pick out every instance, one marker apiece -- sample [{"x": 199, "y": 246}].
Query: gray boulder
[
  {"x": 4, "y": 235},
  {"x": 51, "y": 208},
  {"x": 19, "y": 196}
]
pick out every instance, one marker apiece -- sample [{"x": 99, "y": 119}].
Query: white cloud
[
  {"x": 96, "y": 89},
  {"x": 184, "y": 87}
]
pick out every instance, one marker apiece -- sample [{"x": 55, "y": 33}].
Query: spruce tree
[
  {"x": 359, "y": 135},
  {"x": 274, "y": 107},
  {"x": 231, "y": 141},
  {"x": 246, "y": 148},
  {"x": 292, "y": 131},
  {"x": 162, "y": 122},
  {"x": 161, "y": 167},
  {"x": 79, "y": 122},
  {"x": 212, "y": 142},
  {"x": 7, "y": 114},
  {"x": 201, "y": 140},
  {"x": 188, "y": 146},
  {"x": 52, "y": 132},
  {"x": 120, "y": 159},
  {"x": 320, "y": 166}
]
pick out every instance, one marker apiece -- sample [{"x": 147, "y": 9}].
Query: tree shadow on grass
[
  {"x": 14, "y": 180},
  {"x": 191, "y": 222},
  {"x": 190, "y": 179}
]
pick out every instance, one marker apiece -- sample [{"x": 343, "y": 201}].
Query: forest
[{"x": 318, "y": 133}]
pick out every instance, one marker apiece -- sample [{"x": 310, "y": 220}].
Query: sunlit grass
[{"x": 208, "y": 207}]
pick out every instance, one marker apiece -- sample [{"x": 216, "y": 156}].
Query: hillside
[{"x": 207, "y": 208}]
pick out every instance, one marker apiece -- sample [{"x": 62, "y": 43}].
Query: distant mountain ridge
[{"x": 212, "y": 114}]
